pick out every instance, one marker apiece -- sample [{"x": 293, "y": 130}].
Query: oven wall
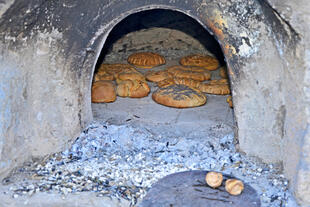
[
  {"x": 297, "y": 96},
  {"x": 48, "y": 50}
]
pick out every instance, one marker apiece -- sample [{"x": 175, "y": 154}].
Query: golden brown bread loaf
[
  {"x": 219, "y": 82},
  {"x": 103, "y": 92},
  {"x": 130, "y": 76},
  {"x": 223, "y": 72},
  {"x": 166, "y": 82},
  {"x": 188, "y": 82},
  {"x": 115, "y": 69},
  {"x": 205, "y": 72},
  {"x": 205, "y": 61},
  {"x": 214, "y": 179},
  {"x": 186, "y": 68},
  {"x": 195, "y": 73},
  {"x": 207, "y": 75},
  {"x": 103, "y": 75},
  {"x": 156, "y": 76},
  {"x": 179, "y": 96},
  {"x": 146, "y": 59},
  {"x": 176, "y": 68},
  {"x": 183, "y": 81},
  {"x": 191, "y": 75},
  {"x": 132, "y": 88},
  {"x": 217, "y": 89},
  {"x": 234, "y": 186}
]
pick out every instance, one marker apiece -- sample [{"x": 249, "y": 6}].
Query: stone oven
[{"x": 49, "y": 51}]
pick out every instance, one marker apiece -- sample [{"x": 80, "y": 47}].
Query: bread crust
[
  {"x": 165, "y": 83},
  {"x": 183, "y": 81},
  {"x": 146, "y": 60},
  {"x": 130, "y": 76},
  {"x": 195, "y": 73},
  {"x": 234, "y": 186},
  {"x": 217, "y": 89},
  {"x": 103, "y": 92},
  {"x": 214, "y": 179},
  {"x": 205, "y": 61},
  {"x": 219, "y": 82},
  {"x": 179, "y": 96},
  {"x": 156, "y": 76},
  {"x": 188, "y": 82},
  {"x": 223, "y": 72},
  {"x": 115, "y": 69},
  {"x": 103, "y": 76},
  {"x": 132, "y": 88}
]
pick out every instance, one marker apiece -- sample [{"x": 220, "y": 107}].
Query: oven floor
[{"x": 214, "y": 118}]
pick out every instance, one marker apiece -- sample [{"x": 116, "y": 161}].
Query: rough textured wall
[
  {"x": 38, "y": 93},
  {"x": 297, "y": 16},
  {"x": 38, "y": 100},
  {"x": 49, "y": 49},
  {"x": 256, "y": 75}
]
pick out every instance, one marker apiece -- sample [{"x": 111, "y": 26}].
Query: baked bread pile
[{"x": 179, "y": 86}]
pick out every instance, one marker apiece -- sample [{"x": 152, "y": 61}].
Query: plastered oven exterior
[{"x": 48, "y": 51}]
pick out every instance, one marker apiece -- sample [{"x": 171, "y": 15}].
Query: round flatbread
[
  {"x": 223, "y": 72},
  {"x": 103, "y": 92},
  {"x": 183, "y": 81},
  {"x": 146, "y": 60},
  {"x": 217, "y": 89},
  {"x": 195, "y": 73},
  {"x": 205, "y": 61},
  {"x": 156, "y": 76},
  {"x": 219, "y": 82},
  {"x": 166, "y": 82},
  {"x": 130, "y": 76},
  {"x": 115, "y": 69},
  {"x": 188, "y": 82},
  {"x": 132, "y": 88},
  {"x": 179, "y": 96},
  {"x": 103, "y": 75}
]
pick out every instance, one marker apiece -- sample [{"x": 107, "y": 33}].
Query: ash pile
[{"x": 122, "y": 161}]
